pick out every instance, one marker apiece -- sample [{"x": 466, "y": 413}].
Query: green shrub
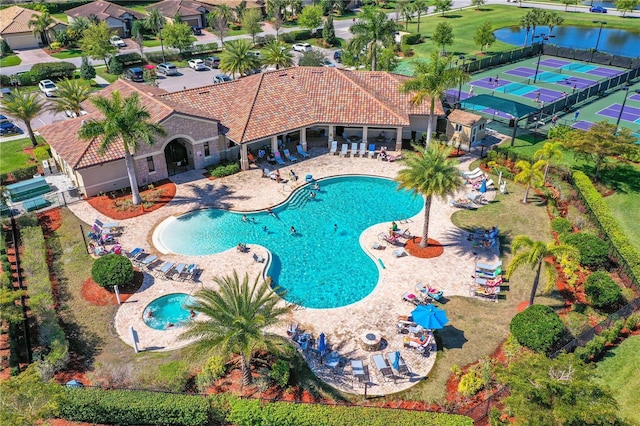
[
  {"x": 115, "y": 66},
  {"x": 42, "y": 152},
  {"x": 538, "y": 327},
  {"x": 24, "y": 173},
  {"x": 594, "y": 253},
  {"x": 602, "y": 292},
  {"x": 156, "y": 57},
  {"x": 560, "y": 226},
  {"x": 4, "y": 50},
  {"x": 470, "y": 383},
  {"x": 52, "y": 70},
  {"x": 300, "y": 35},
  {"x": 412, "y": 38},
  {"x": 221, "y": 170},
  {"x": 87, "y": 71},
  {"x": 111, "y": 270},
  {"x": 212, "y": 371},
  {"x": 173, "y": 376},
  {"x": 132, "y": 58},
  {"x": 56, "y": 44},
  {"x": 280, "y": 373}
]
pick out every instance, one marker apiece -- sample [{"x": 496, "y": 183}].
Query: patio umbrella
[
  {"x": 483, "y": 187},
  {"x": 396, "y": 361},
  {"x": 74, "y": 384},
  {"x": 322, "y": 344},
  {"x": 429, "y": 317}
]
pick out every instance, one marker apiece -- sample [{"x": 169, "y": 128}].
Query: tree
[
  {"x": 240, "y": 9},
  {"x": 87, "y": 71},
  {"x": 329, "y": 32},
  {"x": 443, "y": 6},
  {"x": 553, "y": 20},
  {"x": 420, "y": 7},
  {"x": 77, "y": 27},
  {"x": 529, "y": 174},
  {"x": 536, "y": 254},
  {"x": 332, "y": 7},
  {"x": 95, "y": 42},
  {"x": 39, "y": 23},
  {"x": 537, "y": 17},
  {"x": 600, "y": 142},
  {"x": 179, "y": 36},
  {"x": 127, "y": 121},
  {"x": 312, "y": 58},
  {"x": 538, "y": 327},
  {"x": 429, "y": 172},
  {"x": 24, "y": 106},
  {"x": 276, "y": 54},
  {"x": 252, "y": 23},
  {"x": 155, "y": 22},
  {"x": 407, "y": 11},
  {"x": 137, "y": 34},
  {"x": 219, "y": 20},
  {"x": 277, "y": 24},
  {"x": 235, "y": 59},
  {"x": 525, "y": 24},
  {"x": 387, "y": 59},
  {"x": 625, "y": 6},
  {"x": 70, "y": 95},
  {"x": 311, "y": 17},
  {"x": 478, "y": 3},
  {"x": 550, "y": 151},
  {"x": 111, "y": 270},
  {"x": 115, "y": 67},
  {"x": 602, "y": 291},
  {"x": 237, "y": 317},
  {"x": 443, "y": 35},
  {"x": 567, "y": 3},
  {"x": 371, "y": 28},
  {"x": 484, "y": 36},
  {"x": 431, "y": 80}
]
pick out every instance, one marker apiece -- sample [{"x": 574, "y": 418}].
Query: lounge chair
[
  {"x": 389, "y": 239},
  {"x": 476, "y": 198},
  {"x": 424, "y": 344},
  {"x": 416, "y": 299},
  {"x": 269, "y": 173},
  {"x": 107, "y": 225},
  {"x": 372, "y": 150},
  {"x": 288, "y": 156},
  {"x": 473, "y": 174},
  {"x": 164, "y": 269},
  {"x": 359, "y": 371},
  {"x": 489, "y": 183},
  {"x": 292, "y": 331},
  {"x": 345, "y": 150},
  {"x": 257, "y": 258},
  {"x": 334, "y": 148},
  {"x": 402, "y": 366},
  {"x": 400, "y": 252},
  {"x": 354, "y": 149},
  {"x": 363, "y": 149},
  {"x": 133, "y": 253},
  {"x": 301, "y": 152},
  {"x": 140, "y": 257},
  {"x": 153, "y": 265},
  {"x": 278, "y": 157},
  {"x": 148, "y": 260},
  {"x": 463, "y": 203},
  {"x": 187, "y": 272},
  {"x": 382, "y": 366},
  {"x": 392, "y": 158},
  {"x": 175, "y": 271}
]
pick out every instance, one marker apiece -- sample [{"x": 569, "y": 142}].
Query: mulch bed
[
  {"x": 433, "y": 249},
  {"x": 99, "y": 296},
  {"x": 108, "y": 204}
]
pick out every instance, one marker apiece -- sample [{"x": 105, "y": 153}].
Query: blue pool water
[
  {"x": 320, "y": 266},
  {"x": 166, "y": 310}
]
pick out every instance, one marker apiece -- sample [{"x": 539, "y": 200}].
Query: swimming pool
[
  {"x": 168, "y": 311},
  {"x": 322, "y": 265}
]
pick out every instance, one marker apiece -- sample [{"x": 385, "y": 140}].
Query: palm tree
[
  {"x": 431, "y": 81},
  {"x": 536, "y": 253},
  {"x": 420, "y": 7},
  {"x": 39, "y": 23},
  {"x": 126, "y": 120},
  {"x": 137, "y": 34},
  {"x": 77, "y": 27},
  {"x": 553, "y": 20},
  {"x": 219, "y": 19},
  {"x": 371, "y": 28},
  {"x": 429, "y": 171},
  {"x": 525, "y": 24},
  {"x": 155, "y": 22},
  {"x": 529, "y": 174},
  {"x": 550, "y": 151},
  {"x": 236, "y": 319},
  {"x": 235, "y": 59},
  {"x": 24, "y": 106},
  {"x": 276, "y": 54},
  {"x": 70, "y": 95}
]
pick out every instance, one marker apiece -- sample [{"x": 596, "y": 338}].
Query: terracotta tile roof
[
  {"x": 463, "y": 117},
  {"x": 16, "y": 19},
  {"x": 102, "y": 10},
  {"x": 181, "y": 7},
  {"x": 271, "y": 103}
]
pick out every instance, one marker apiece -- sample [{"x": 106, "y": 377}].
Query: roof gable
[
  {"x": 170, "y": 8},
  {"x": 16, "y": 19},
  {"x": 102, "y": 10},
  {"x": 463, "y": 117}
]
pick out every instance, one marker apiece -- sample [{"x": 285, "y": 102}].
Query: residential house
[
  {"x": 191, "y": 12},
  {"x": 14, "y": 28},
  {"x": 465, "y": 127},
  {"x": 117, "y": 17}
]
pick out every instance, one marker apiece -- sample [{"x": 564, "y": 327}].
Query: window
[
  {"x": 206, "y": 149},
  {"x": 458, "y": 127},
  {"x": 152, "y": 167}
]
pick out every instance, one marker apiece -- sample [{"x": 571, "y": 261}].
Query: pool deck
[{"x": 249, "y": 191}]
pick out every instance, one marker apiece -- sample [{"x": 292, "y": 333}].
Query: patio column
[
  {"x": 331, "y": 130},
  {"x": 274, "y": 143},
  {"x": 398, "y": 138},
  {"x": 303, "y": 138},
  {"x": 365, "y": 133},
  {"x": 244, "y": 159}
]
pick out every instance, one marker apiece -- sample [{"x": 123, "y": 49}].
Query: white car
[
  {"x": 48, "y": 87},
  {"x": 117, "y": 41},
  {"x": 221, "y": 78},
  {"x": 301, "y": 47},
  {"x": 197, "y": 64}
]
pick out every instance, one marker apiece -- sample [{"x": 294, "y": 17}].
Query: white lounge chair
[
  {"x": 382, "y": 366},
  {"x": 289, "y": 157},
  {"x": 363, "y": 149},
  {"x": 345, "y": 150},
  {"x": 400, "y": 252},
  {"x": 278, "y": 157},
  {"x": 269, "y": 173},
  {"x": 334, "y": 147},
  {"x": 354, "y": 149},
  {"x": 473, "y": 173},
  {"x": 301, "y": 152},
  {"x": 372, "y": 150}
]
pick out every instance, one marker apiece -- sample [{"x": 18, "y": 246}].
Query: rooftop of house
[
  {"x": 463, "y": 117},
  {"x": 102, "y": 10},
  {"x": 172, "y": 8},
  {"x": 16, "y": 19}
]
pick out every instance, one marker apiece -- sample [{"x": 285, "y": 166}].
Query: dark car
[
  {"x": 597, "y": 9},
  {"x": 212, "y": 61},
  {"x": 134, "y": 74},
  {"x": 7, "y": 127},
  {"x": 196, "y": 30},
  {"x": 337, "y": 56}
]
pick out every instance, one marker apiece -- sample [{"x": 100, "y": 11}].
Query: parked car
[
  {"x": 301, "y": 47},
  {"x": 254, "y": 53},
  {"x": 48, "y": 87},
  {"x": 212, "y": 61},
  {"x": 7, "y": 127},
  {"x": 117, "y": 41},
  {"x": 196, "y": 30},
  {"x": 197, "y": 64},
  {"x": 167, "y": 68},
  {"x": 328, "y": 63},
  {"x": 337, "y": 56},
  {"x": 221, "y": 78},
  {"x": 597, "y": 9},
  {"x": 72, "y": 114},
  {"x": 134, "y": 74}
]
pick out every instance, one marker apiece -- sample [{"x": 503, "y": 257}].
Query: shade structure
[
  {"x": 483, "y": 186},
  {"x": 396, "y": 361},
  {"x": 430, "y": 317},
  {"x": 322, "y": 344},
  {"x": 74, "y": 384}
]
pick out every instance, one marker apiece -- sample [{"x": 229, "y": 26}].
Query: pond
[{"x": 613, "y": 41}]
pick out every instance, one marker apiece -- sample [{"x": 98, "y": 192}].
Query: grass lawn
[
  {"x": 151, "y": 42},
  {"x": 66, "y": 54},
  {"x": 478, "y": 327},
  {"x": 10, "y": 61},
  {"x": 102, "y": 72},
  {"x": 618, "y": 372},
  {"x": 12, "y": 155},
  {"x": 61, "y": 16}
]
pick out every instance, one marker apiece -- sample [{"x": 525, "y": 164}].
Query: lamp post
[
  {"x": 543, "y": 38},
  {"x": 626, "y": 89}
]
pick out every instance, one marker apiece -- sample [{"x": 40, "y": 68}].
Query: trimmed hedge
[
  {"x": 560, "y": 225},
  {"x": 412, "y": 38},
  {"x": 602, "y": 291},
  {"x": 629, "y": 256},
  {"x": 42, "y": 152},
  {"x": 51, "y": 70},
  {"x": 111, "y": 270},
  {"x": 222, "y": 170},
  {"x": 538, "y": 327},
  {"x": 594, "y": 253},
  {"x": 127, "y": 59},
  {"x": 24, "y": 173}
]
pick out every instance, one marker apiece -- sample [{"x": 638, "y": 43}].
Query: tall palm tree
[
  {"x": 550, "y": 151},
  {"x": 431, "y": 81},
  {"x": 430, "y": 172},
  {"x": 525, "y": 24},
  {"x": 276, "y": 54},
  {"x": 536, "y": 253},
  {"x": 219, "y": 19},
  {"x": 420, "y": 7},
  {"x": 127, "y": 121},
  {"x": 39, "y": 23},
  {"x": 70, "y": 95},
  {"x": 372, "y": 27},
  {"x": 224, "y": 11},
  {"x": 24, "y": 106},
  {"x": 553, "y": 20},
  {"x": 77, "y": 27},
  {"x": 235, "y": 59},
  {"x": 155, "y": 22},
  {"x": 137, "y": 34},
  {"x": 529, "y": 174},
  {"x": 236, "y": 318}
]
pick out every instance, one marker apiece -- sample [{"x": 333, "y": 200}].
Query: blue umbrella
[
  {"x": 322, "y": 345},
  {"x": 429, "y": 317},
  {"x": 396, "y": 361},
  {"x": 74, "y": 384},
  {"x": 483, "y": 187}
]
